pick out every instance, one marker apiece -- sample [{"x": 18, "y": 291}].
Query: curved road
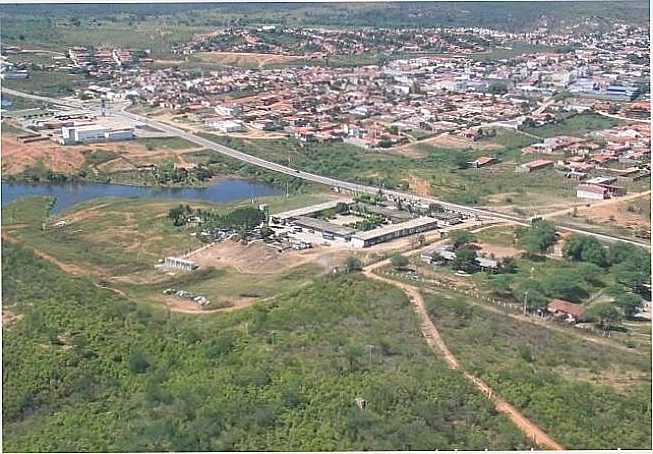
[{"x": 354, "y": 187}]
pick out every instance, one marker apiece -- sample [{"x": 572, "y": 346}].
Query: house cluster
[
  {"x": 598, "y": 160},
  {"x": 369, "y": 106},
  {"x": 103, "y": 63},
  {"x": 323, "y": 42}
]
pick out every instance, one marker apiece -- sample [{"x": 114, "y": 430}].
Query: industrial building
[
  {"x": 392, "y": 231},
  {"x": 309, "y": 210},
  {"x": 394, "y": 215},
  {"x": 93, "y": 133},
  {"x": 328, "y": 229}
]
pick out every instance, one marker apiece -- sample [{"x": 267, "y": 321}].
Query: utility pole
[
  {"x": 525, "y": 301},
  {"x": 370, "y": 348}
]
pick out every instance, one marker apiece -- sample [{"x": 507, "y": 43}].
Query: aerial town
[{"x": 245, "y": 227}]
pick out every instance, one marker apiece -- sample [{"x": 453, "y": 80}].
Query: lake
[{"x": 70, "y": 194}]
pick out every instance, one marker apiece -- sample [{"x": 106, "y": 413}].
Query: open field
[
  {"x": 625, "y": 218},
  {"x": 438, "y": 167},
  {"x": 578, "y": 126},
  {"x": 119, "y": 241},
  {"x": 39, "y": 157},
  {"x": 246, "y": 59},
  {"x": 46, "y": 83},
  {"x": 18, "y": 157}
]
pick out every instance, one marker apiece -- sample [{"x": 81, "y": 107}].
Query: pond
[{"x": 70, "y": 194}]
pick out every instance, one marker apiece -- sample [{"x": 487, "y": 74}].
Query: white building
[
  {"x": 392, "y": 231},
  {"x": 94, "y": 133},
  {"x": 592, "y": 191},
  {"x": 226, "y": 126},
  {"x": 88, "y": 133},
  {"x": 178, "y": 263}
]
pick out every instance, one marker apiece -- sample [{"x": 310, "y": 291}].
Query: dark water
[{"x": 70, "y": 194}]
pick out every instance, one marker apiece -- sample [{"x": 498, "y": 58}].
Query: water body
[{"x": 70, "y": 194}]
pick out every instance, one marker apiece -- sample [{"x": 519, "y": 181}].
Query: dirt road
[{"x": 437, "y": 344}]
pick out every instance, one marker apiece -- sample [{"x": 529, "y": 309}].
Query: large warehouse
[
  {"x": 392, "y": 231},
  {"x": 338, "y": 231}
]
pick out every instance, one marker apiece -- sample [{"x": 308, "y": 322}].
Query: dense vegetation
[
  {"x": 106, "y": 19},
  {"x": 85, "y": 370},
  {"x": 586, "y": 396}
]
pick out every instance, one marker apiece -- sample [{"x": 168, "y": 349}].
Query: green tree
[
  {"x": 565, "y": 285},
  {"x": 531, "y": 292},
  {"x": 537, "y": 238},
  {"x": 586, "y": 249},
  {"x": 607, "y": 315},
  {"x": 352, "y": 264},
  {"x": 399, "y": 262},
  {"x": 508, "y": 265},
  {"x": 138, "y": 363},
  {"x": 466, "y": 261},
  {"x": 462, "y": 238},
  {"x": 628, "y": 303}
]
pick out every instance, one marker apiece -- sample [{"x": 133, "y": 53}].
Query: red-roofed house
[{"x": 570, "y": 312}]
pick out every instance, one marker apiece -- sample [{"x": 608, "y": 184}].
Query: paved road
[{"x": 355, "y": 187}]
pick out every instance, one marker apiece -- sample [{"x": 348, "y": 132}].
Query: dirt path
[{"x": 437, "y": 344}]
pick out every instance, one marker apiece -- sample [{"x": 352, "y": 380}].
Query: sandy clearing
[
  {"x": 498, "y": 251},
  {"x": 246, "y": 58},
  {"x": 613, "y": 211},
  {"x": 258, "y": 258},
  {"x": 9, "y": 318},
  {"x": 17, "y": 156}
]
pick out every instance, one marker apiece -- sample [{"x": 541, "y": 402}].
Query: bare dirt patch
[
  {"x": 246, "y": 59},
  {"x": 419, "y": 186},
  {"x": 18, "y": 157},
  {"x": 448, "y": 140},
  {"x": 499, "y": 251},
  {"x": 9, "y": 318},
  {"x": 630, "y": 214},
  {"x": 258, "y": 258}
]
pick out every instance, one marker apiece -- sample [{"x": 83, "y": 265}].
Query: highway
[{"x": 346, "y": 185}]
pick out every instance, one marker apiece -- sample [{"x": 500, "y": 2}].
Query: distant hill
[{"x": 510, "y": 16}]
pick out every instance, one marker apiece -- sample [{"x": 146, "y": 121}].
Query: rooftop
[
  {"x": 324, "y": 226},
  {"x": 303, "y": 211},
  {"x": 386, "y": 229}
]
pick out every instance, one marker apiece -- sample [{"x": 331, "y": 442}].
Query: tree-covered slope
[{"x": 86, "y": 370}]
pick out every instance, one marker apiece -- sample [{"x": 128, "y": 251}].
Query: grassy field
[
  {"x": 46, "y": 83},
  {"x": 121, "y": 240},
  {"x": 60, "y": 32},
  {"x": 578, "y": 126},
  {"x": 85, "y": 370},
  {"x": 166, "y": 143},
  {"x": 586, "y": 396},
  {"x": 439, "y": 169}
]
